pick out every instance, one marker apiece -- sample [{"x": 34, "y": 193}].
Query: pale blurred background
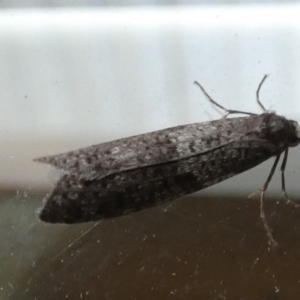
[
  {"x": 72, "y": 77},
  {"x": 77, "y": 73}
]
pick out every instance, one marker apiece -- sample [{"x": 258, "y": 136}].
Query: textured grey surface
[{"x": 139, "y": 172}]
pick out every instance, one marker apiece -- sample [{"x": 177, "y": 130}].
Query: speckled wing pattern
[
  {"x": 143, "y": 171},
  {"x": 163, "y": 146}
]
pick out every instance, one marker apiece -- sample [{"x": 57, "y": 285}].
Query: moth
[{"x": 142, "y": 171}]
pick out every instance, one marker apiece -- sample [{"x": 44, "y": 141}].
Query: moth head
[
  {"x": 280, "y": 131},
  {"x": 296, "y": 140}
]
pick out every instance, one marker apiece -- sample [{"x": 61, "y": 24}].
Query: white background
[{"x": 75, "y": 77}]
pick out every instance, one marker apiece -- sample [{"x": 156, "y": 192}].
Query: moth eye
[{"x": 295, "y": 141}]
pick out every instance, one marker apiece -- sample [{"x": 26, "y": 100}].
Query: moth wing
[
  {"x": 75, "y": 201},
  {"x": 98, "y": 161}
]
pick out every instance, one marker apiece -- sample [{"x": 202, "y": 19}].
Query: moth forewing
[{"x": 163, "y": 146}]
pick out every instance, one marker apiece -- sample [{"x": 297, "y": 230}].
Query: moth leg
[
  {"x": 257, "y": 93},
  {"x": 227, "y": 111},
  {"x": 262, "y": 196},
  {"x": 282, "y": 169}
]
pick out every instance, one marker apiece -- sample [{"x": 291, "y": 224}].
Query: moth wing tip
[
  {"x": 37, "y": 160},
  {"x": 43, "y": 160},
  {"x": 48, "y": 213}
]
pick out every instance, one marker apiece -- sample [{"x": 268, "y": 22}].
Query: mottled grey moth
[{"x": 138, "y": 172}]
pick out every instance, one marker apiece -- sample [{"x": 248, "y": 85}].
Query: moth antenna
[
  {"x": 257, "y": 93},
  {"x": 227, "y": 111},
  {"x": 210, "y": 98}
]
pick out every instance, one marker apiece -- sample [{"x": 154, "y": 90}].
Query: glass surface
[
  {"x": 197, "y": 247},
  {"x": 74, "y": 77}
]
